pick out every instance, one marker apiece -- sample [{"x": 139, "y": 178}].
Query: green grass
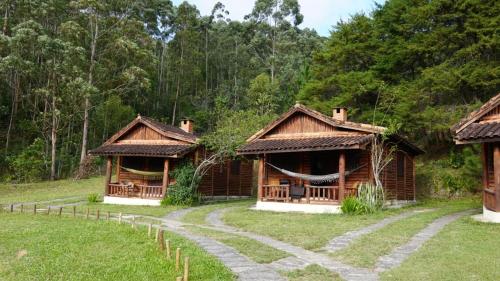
[
  {"x": 312, "y": 273},
  {"x": 154, "y": 211},
  {"x": 309, "y": 231},
  {"x": 198, "y": 216},
  {"x": 365, "y": 251},
  {"x": 50, "y": 190},
  {"x": 76, "y": 249},
  {"x": 463, "y": 250},
  {"x": 255, "y": 250}
]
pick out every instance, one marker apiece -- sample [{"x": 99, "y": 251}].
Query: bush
[
  {"x": 371, "y": 197},
  {"x": 351, "y": 206},
  {"x": 93, "y": 198},
  {"x": 181, "y": 193},
  {"x": 29, "y": 165}
]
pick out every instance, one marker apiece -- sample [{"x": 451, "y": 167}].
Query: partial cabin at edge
[
  {"x": 483, "y": 126},
  {"x": 146, "y": 151}
]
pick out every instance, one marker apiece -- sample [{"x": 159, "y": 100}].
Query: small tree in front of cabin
[{"x": 183, "y": 191}]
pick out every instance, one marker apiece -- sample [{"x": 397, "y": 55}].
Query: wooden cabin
[
  {"x": 145, "y": 151},
  {"x": 483, "y": 126},
  {"x": 310, "y": 143}
]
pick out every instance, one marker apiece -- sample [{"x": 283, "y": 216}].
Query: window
[
  {"x": 235, "y": 167},
  {"x": 401, "y": 164}
]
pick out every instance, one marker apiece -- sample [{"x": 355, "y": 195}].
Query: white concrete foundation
[
  {"x": 131, "y": 201},
  {"x": 295, "y": 207},
  {"x": 398, "y": 203},
  {"x": 489, "y": 216}
]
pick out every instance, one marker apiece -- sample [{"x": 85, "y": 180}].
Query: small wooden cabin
[
  {"x": 310, "y": 143},
  {"x": 483, "y": 126},
  {"x": 145, "y": 151}
]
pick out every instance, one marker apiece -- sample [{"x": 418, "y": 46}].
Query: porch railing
[
  {"x": 312, "y": 194},
  {"x": 141, "y": 191}
]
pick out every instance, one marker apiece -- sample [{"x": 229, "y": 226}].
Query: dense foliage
[
  {"x": 183, "y": 191},
  {"x": 74, "y": 72}
]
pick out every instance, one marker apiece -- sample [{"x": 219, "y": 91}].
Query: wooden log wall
[
  {"x": 399, "y": 187},
  {"x": 220, "y": 181}
]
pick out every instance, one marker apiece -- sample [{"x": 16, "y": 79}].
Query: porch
[{"x": 143, "y": 178}]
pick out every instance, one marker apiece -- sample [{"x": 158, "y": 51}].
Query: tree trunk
[
  {"x": 15, "y": 100},
  {"x": 178, "y": 84},
  {"x": 95, "y": 33},
  {"x": 53, "y": 140}
]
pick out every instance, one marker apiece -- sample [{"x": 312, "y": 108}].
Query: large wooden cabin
[
  {"x": 145, "y": 151},
  {"x": 483, "y": 126},
  {"x": 308, "y": 142}
]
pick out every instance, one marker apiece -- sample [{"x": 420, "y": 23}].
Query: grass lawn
[
  {"x": 198, "y": 216},
  {"x": 51, "y": 248},
  {"x": 154, "y": 211},
  {"x": 312, "y": 273},
  {"x": 463, "y": 250},
  {"x": 310, "y": 231},
  {"x": 255, "y": 250},
  {"x": 365, "y": 251},
  {"x": 50, "y": 190}
]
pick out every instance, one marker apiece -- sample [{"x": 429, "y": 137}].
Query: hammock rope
[
  {"x": 143, "y": 173},
  {"x": 315, "y": 178}
]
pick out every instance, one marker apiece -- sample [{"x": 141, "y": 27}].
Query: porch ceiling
[
  {"x": 304, "y": 144},
  {"x": 142, "y": 150}
]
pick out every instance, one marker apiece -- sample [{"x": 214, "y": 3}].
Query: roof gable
[
  {"x": 156, "y": 130},
  {"x": 302, "y": 120},
  {"x": 488, "y": 108}
]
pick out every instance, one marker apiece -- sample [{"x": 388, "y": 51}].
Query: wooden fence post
[
  {"x": 22, "y": 208},
  {"x": 178, "y": 278},
  {"x": 87, "y": 215},
  {"x": 97, "y": 214},
  {"x": 157, "y": 234},
  {"x": 120, "y": 218},
  {"x": 150, "y": 227},
  {"x": 177, "y": 258},
  {"x": 133, "y": 222},
  {"x": 107, "y": 216},
  {"x": 186, "y": 268},
  {"x": 34, "y": 209},
  {"x": 60, "y": 211},
  {"x": 11, "y": 208},
  {"x": 74, "y": 211},
  {"x": 48, "y": 210},
  {"x": 169, "y": 255},
  {"x": 161, "y": 240}
]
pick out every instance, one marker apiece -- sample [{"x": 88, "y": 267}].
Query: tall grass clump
[{"x": 370, "y": 199}]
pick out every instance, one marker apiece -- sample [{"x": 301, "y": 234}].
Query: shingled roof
[
  {"x": 472, "y": 128},
  {"x": 360, "y": 136},
  {"x": 143, "y": 150}
]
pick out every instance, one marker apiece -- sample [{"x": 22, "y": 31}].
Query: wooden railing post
[
  {"x": 341, "y": 176},
  {"x": 287, "y": 188},
  {"x": 308, "y": 194}
]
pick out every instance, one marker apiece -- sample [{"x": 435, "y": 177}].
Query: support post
[
  {"x": 260, "y": 179},
  {"x": 228, "y": 171},
  {"x": 496, "y": 168},
  {"x": 341, "y": 176},
  {"x": 118, "y": 168},
  {"x": 166, "y": 167},
  {"x": 109, "y": 164},
  {"x": 484, "y": 160}
]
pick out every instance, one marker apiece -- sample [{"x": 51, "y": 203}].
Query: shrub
[
  {"x": 351, "y": 206},
  {"x": 93, "y": 198},
  {"x": 29, "y": 165},
  {"x": 371, "y": 197},
  {"x": 182, "y": 193}
]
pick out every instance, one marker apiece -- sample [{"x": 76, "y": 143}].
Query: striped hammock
[
  {"x": 143, "y": 173},
  {"x": 316, "y": 179}
]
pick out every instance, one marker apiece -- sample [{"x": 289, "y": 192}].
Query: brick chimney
[
  {"x": 187, "y": 125},
  {"x": 340, "y": 114}
]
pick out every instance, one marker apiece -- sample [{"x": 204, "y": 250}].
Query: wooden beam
[
  {"x": 228, "y": 171},
  {"x": 260, "y": 177},
  {"x": 166, "y": 179},
  {"x": 118, "y": 168},
  {"x": 414, "y": 179},
  {"x": 109, "y": 166},
  {"x": 496, "y": 168},
  {"x": 484, "y": 160},
  {"x": 341, "y": 175}
]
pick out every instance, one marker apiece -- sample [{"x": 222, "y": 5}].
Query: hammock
[
  {"x": 143, "y": 173},
  {"x": 315, "y": 178}
]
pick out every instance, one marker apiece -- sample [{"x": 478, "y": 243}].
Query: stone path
[
  {"x": 48, "y": 201},
  {"x": 342, "y": 241},
  {"x": 245, "y": 268},
  {"x": 401, "y": 253},
  {"x": 347, "y": 272}
]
